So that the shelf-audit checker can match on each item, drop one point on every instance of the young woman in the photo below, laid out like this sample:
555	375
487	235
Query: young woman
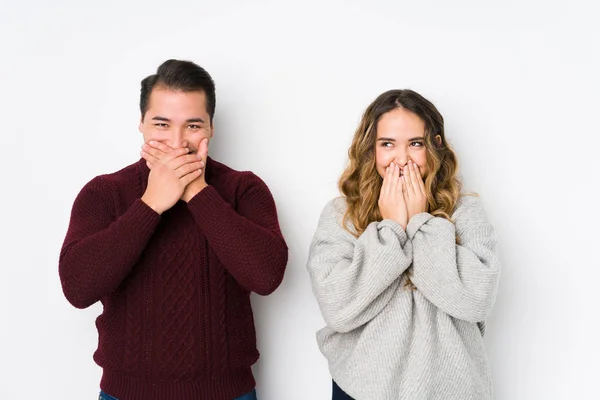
404	266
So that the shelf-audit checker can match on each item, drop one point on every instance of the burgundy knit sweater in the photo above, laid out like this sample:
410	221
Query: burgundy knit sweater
177	322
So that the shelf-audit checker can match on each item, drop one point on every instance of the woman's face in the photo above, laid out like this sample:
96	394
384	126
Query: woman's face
400	139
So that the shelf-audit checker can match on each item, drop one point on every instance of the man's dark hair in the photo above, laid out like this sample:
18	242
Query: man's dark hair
180	75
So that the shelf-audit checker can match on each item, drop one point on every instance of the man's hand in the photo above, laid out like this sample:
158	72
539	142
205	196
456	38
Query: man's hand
199	183
171	171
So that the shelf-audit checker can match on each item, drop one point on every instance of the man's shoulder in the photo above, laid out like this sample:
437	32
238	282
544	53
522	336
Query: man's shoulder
234	184
222	174
125	178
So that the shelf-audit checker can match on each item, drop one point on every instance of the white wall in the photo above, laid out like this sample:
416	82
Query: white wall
516	81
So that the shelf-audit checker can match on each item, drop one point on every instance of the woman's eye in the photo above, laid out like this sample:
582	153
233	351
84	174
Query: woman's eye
386	144
416	144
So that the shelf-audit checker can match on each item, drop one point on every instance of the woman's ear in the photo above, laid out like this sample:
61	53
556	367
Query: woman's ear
438	140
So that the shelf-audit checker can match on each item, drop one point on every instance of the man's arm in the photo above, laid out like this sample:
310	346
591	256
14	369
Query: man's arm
248	240
100	249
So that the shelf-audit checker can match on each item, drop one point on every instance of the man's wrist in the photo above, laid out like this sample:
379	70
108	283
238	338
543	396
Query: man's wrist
152	205
193	191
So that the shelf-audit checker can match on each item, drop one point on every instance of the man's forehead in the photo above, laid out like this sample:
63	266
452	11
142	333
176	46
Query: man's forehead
166	92
179	102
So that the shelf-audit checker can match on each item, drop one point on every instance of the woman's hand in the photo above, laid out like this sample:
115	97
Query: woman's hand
415	194
392	204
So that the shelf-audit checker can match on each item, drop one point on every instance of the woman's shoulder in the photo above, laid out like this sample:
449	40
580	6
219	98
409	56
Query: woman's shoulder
336	206
332	217
469	211
468	201
334	211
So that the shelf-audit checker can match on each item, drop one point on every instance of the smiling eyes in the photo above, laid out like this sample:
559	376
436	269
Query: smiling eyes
412	144
162	125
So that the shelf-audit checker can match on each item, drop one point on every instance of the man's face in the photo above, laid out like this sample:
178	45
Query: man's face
176	119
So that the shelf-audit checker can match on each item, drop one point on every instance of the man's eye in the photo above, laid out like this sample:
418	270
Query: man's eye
161	125
194	126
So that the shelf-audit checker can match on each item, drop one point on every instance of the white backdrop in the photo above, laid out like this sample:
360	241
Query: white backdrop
517	83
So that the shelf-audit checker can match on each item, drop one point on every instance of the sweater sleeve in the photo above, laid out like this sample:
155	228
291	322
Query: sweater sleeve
352	278
99	250
248	241
460	279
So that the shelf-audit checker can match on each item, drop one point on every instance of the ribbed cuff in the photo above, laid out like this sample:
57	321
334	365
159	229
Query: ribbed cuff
396	228
206	206
141	218
416	222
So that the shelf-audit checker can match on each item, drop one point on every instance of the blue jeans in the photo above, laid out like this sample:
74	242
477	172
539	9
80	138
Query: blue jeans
338	393
247	396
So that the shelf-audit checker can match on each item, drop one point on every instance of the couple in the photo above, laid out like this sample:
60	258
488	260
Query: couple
403	265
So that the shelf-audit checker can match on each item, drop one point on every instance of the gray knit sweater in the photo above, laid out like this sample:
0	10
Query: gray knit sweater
384	341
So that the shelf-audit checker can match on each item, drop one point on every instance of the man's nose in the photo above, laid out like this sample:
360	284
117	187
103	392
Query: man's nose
178	141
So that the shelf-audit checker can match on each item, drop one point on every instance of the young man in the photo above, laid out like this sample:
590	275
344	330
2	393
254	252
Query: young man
172	246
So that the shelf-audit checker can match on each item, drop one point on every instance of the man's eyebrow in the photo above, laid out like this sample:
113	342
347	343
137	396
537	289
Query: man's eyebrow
158	118
195	120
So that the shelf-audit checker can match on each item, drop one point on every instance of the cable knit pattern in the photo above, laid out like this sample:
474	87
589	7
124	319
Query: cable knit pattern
133	326
164	281
386	342
221	329
178	313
